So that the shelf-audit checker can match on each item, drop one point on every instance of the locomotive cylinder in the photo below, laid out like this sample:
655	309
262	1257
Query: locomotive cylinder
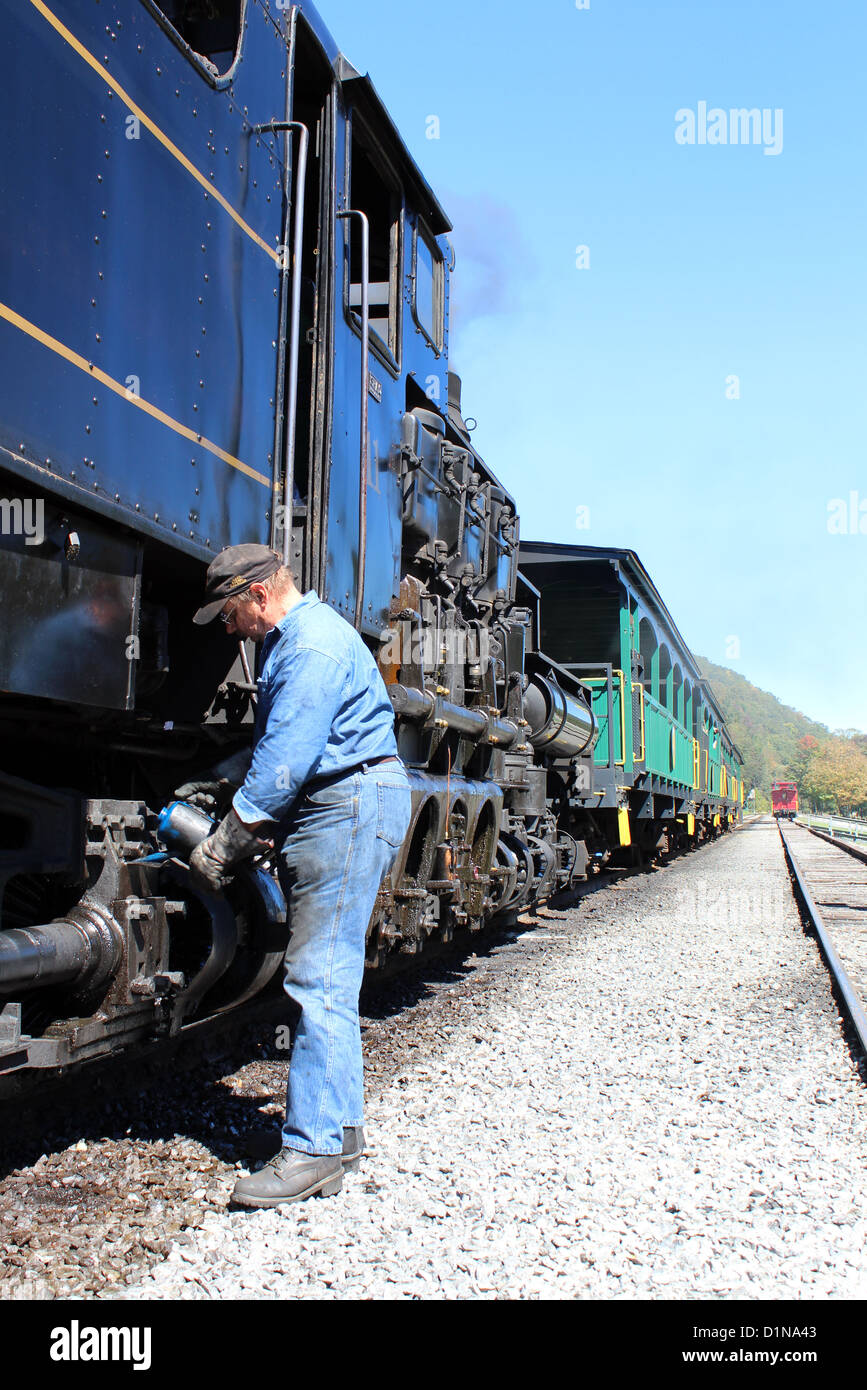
560	725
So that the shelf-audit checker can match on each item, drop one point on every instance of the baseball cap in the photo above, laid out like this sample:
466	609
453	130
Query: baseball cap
232	573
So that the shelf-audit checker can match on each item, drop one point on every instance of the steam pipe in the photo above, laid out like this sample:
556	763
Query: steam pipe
560	725
421	705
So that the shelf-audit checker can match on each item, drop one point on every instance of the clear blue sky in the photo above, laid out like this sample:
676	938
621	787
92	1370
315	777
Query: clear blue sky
606	387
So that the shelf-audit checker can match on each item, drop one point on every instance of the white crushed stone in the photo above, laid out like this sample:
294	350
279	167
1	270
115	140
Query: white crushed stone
651	1098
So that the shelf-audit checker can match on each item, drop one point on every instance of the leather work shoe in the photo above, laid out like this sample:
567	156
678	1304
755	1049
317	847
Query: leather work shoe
267	1143
353	1148
290	1177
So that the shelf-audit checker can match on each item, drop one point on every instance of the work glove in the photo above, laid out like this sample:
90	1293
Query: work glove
215	790
214	861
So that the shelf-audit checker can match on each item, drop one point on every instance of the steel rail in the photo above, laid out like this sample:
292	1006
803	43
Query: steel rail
856	853
851	999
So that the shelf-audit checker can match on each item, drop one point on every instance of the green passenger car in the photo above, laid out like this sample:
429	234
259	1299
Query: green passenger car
664	763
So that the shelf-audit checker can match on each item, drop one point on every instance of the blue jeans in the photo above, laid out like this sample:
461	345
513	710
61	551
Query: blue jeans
341	840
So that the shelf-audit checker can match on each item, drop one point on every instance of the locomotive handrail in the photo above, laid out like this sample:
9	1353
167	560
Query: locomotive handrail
365	379
297	209
294	339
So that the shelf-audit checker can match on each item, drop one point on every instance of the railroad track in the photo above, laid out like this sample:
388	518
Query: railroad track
831	878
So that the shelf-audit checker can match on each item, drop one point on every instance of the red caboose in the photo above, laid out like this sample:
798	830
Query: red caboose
784	800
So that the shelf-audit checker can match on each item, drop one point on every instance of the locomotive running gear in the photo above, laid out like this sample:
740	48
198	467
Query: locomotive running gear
214	861
290	1177
232	573
322	710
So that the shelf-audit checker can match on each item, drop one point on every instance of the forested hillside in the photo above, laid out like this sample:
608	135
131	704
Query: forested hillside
780	743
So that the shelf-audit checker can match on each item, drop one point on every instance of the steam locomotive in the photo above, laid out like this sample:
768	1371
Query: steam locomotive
224	317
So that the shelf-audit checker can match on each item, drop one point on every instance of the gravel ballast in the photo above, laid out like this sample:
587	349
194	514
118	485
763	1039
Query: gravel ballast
647	1096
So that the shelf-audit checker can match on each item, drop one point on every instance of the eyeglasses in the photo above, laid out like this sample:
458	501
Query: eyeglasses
247	597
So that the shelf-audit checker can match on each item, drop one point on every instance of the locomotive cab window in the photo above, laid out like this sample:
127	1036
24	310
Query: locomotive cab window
374	192
428	278
211	28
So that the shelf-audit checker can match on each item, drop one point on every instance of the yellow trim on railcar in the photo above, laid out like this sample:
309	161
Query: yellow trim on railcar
154	129
97	374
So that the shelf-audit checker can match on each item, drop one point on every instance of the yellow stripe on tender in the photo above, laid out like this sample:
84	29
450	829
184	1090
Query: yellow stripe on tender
97	374
151	126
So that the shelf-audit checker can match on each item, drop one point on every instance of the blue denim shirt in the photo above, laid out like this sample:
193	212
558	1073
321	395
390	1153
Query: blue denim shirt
322	707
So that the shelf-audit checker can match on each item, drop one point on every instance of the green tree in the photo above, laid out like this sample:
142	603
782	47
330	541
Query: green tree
776	742
836	777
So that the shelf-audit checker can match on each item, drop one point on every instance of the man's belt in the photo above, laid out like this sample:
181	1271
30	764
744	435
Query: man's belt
317	783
